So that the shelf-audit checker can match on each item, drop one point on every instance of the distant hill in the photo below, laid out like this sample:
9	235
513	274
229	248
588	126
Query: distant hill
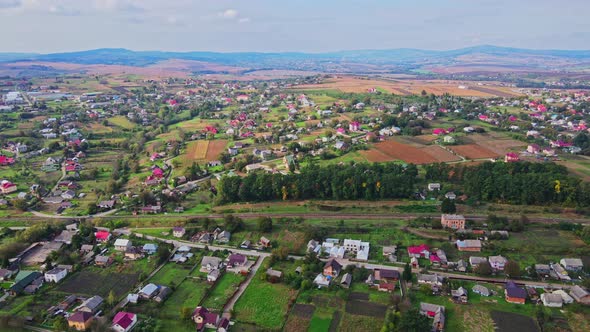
342	61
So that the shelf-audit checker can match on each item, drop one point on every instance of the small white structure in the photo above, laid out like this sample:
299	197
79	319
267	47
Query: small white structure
552	300
55	275
122	244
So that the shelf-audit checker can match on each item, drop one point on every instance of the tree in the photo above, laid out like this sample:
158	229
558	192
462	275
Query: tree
20	204
436	224
483	269
407	274
185	313
413	321
162	254
265	224
512	269
448	206
60	324
111	298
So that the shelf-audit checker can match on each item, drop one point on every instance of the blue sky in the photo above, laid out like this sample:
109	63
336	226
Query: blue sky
290	25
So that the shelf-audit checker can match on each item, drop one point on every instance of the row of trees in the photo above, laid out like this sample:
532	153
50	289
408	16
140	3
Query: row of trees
338	182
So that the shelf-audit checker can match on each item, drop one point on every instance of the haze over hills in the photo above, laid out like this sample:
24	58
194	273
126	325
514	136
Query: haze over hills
482	58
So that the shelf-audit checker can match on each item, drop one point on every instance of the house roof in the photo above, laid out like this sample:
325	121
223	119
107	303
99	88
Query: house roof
80	317
237	259
123	319
211	261
418	249
92	303
481	290
514	291
122	242
149	289
150	247
333	264
102	235
578	292
386	274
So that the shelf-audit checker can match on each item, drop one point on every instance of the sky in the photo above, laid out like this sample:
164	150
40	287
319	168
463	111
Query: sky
48	26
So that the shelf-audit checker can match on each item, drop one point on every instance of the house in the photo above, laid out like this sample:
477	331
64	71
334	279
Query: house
559	272
421	251
552	300
245	244
497	262
357	247
149	291
86	248
106	204
481	290
90	305
22	280
340	145
533	148
332	268
454	221
542	269
7	187
163	294
223	237
213	275
122	245
132	298
572	264
150	248
124	321
274	275
474	261
178	231
210	263
80	320
264	242
459	295
102	236
6	274
384	280
511	157
451	195
580	295
436	312
515	294
55	275
103	261
205	319
433	186
469	245
236	260
439	257
322	280
430	279
133	253
346	280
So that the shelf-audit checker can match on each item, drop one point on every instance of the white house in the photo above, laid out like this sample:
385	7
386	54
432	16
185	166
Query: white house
122	244
359	248
497	262
55	275
572	264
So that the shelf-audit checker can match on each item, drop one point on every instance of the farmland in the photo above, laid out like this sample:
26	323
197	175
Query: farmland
393	150
473	151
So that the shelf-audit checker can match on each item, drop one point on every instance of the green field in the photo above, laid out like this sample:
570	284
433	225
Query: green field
122	121
223	291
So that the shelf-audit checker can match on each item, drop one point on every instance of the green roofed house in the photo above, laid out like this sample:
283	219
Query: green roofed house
22	280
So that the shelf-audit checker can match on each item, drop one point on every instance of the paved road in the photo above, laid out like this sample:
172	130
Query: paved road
229	306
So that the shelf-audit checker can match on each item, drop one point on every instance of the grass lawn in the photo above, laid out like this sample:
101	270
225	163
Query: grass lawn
188	294
264	304
122	122
171	274
223	291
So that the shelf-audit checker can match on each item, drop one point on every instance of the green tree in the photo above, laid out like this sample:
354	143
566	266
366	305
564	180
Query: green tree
483	269
60	324
265	224
413	321
448	206
111	299
20	204
162	254
512	269
407	274
185	313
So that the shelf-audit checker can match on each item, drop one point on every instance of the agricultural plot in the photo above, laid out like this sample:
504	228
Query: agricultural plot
196	150
223	291
215	148
93	281
121	121
264	304
511	322
171	274
300	317
473	151
392	150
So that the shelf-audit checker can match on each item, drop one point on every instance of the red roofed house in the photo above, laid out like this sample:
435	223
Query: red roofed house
354	126
512	118
242	98
158	173
205	319
124	321
533	148
102	236
542	108
7	187
4	160
483	117
419	251
211	129
511	157
171	102
439	131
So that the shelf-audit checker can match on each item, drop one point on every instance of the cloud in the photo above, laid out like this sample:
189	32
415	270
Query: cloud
244	20
5	4
118	5
229	14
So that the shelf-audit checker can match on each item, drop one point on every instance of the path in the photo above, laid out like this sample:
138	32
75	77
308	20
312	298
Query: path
424	235
229	306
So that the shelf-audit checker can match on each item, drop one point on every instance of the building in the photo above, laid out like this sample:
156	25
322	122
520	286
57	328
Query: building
122	244
572	264
357	247
55	275
430	279
148	291
497	262
90	305
163	294
421	251
80	320
580	295
433	186
178	231
514	294
552	300
511	157
454	221
332	268
436	312
209	263
205	319
384	279
459	295
124	321
150	248
7	187
469	245
481	290
102	236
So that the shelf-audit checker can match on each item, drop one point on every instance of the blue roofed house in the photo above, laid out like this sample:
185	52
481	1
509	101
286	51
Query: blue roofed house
150	248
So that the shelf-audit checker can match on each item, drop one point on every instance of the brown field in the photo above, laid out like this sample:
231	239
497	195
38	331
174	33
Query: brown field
392	150
413	86
473	151
215	148
500	146
197	150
